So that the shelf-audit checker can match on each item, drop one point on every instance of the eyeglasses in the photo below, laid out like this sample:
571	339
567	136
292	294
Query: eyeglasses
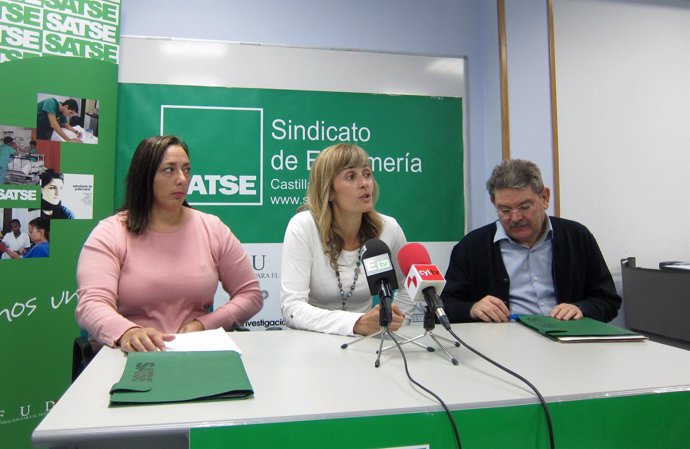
506	212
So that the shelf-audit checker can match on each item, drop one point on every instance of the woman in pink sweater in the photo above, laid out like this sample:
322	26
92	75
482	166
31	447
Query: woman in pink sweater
153	268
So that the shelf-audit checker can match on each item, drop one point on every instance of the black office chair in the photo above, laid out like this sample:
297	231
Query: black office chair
82	354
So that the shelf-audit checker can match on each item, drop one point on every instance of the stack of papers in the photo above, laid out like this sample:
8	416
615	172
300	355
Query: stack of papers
675	265
574	331
211	340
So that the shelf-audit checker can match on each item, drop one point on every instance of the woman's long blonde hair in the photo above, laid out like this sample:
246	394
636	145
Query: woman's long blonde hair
327	165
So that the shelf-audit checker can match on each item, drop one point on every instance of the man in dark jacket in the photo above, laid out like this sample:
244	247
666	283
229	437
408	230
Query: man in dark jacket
527	262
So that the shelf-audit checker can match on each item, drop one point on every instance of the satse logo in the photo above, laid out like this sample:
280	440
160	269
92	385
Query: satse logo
227	163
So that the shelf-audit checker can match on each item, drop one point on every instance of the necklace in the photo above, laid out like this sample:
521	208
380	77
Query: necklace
343	295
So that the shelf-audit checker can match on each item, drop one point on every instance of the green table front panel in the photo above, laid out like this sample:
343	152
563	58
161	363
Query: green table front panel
629	422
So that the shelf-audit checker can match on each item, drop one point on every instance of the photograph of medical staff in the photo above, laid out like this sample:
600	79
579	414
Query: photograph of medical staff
16	240
22	158
65	119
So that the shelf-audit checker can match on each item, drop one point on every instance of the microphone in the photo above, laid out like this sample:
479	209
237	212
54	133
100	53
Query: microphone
423	280
376	259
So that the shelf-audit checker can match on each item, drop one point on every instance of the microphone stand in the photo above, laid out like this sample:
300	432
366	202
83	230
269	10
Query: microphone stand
429	325
385	318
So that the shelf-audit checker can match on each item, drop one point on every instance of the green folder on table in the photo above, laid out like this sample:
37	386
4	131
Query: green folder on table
181	376
577	331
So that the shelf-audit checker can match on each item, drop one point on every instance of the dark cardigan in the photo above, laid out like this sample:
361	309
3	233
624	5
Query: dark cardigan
580	274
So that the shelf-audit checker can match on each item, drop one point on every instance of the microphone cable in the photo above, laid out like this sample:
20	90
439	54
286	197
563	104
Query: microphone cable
513	373
437	397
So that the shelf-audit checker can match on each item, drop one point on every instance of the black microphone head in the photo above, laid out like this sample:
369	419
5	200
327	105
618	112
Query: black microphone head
378	265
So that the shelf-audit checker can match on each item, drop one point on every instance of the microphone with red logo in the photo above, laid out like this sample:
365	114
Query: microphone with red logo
423	280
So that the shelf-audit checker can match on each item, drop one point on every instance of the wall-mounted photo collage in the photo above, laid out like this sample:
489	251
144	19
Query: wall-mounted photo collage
33	189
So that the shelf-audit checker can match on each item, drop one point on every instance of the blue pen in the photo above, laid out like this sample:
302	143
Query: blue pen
514	317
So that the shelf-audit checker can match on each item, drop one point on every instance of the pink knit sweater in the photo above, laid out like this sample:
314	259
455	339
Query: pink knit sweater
163	280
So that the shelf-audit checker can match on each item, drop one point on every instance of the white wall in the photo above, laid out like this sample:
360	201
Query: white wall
623	81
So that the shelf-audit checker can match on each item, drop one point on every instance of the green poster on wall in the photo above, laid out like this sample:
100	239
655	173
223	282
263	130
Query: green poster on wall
252	149
59	59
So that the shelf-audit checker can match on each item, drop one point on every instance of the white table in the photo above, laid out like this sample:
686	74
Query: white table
300	376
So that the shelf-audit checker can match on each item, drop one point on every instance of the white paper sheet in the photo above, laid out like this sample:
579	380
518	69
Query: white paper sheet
208	340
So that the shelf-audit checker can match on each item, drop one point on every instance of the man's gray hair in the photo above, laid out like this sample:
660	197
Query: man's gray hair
515	174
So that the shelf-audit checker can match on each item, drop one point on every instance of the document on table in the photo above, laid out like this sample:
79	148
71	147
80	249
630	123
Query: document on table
208	340
578	331
197	366
181	376
85	137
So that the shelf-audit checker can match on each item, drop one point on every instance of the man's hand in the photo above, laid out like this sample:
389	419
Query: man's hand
565	312
490	308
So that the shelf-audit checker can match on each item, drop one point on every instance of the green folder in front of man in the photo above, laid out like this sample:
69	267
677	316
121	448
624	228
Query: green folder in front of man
180	376
576	331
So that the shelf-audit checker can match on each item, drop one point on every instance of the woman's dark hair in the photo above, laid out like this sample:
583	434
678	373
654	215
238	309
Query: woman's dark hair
49	175
7	139
139	189
42	224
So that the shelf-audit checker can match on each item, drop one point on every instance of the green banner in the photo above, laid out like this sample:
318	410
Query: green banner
82	28
51	52
251	151
630	422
